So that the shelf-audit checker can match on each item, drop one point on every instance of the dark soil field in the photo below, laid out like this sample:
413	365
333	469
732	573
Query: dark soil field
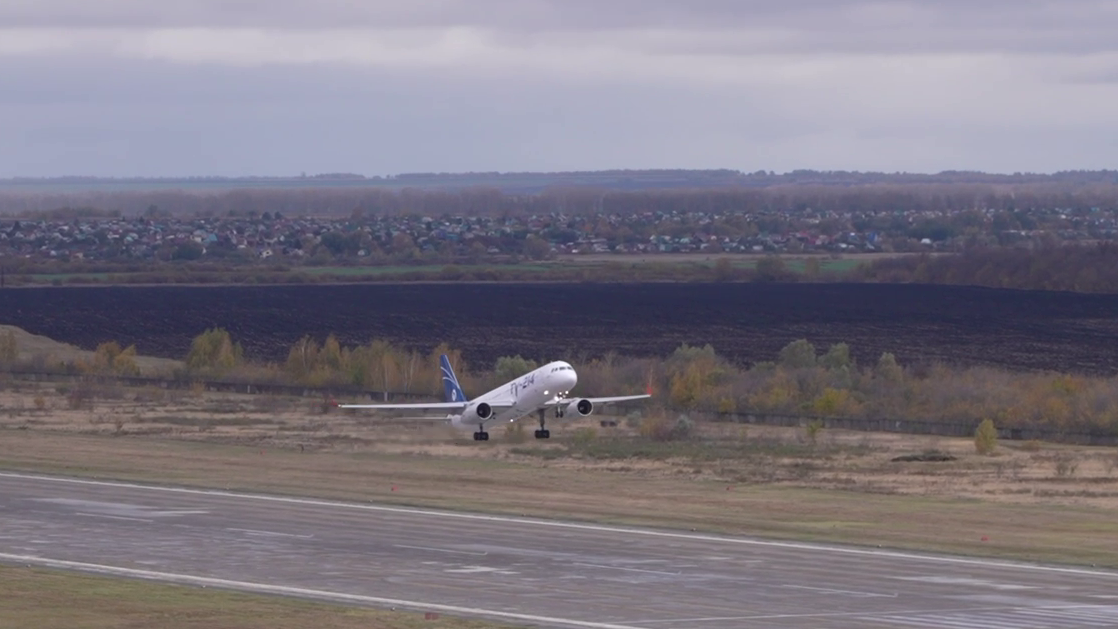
745	322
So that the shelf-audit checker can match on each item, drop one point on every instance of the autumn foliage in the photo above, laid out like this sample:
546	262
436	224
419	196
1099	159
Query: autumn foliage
802	381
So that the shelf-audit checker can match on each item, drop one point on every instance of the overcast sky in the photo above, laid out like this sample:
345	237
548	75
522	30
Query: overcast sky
276	87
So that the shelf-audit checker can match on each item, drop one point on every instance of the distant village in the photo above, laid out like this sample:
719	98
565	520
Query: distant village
373	239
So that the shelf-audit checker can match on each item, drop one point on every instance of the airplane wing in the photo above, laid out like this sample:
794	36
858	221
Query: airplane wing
430	406
601	400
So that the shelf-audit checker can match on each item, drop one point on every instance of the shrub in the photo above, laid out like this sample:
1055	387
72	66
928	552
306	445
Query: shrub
9	349
214	350
1066	464
811	430
985	437
659	428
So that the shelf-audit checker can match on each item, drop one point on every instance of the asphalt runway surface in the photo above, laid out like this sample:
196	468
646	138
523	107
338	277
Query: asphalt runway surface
524	571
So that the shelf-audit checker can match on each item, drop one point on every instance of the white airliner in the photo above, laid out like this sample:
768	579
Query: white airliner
535	392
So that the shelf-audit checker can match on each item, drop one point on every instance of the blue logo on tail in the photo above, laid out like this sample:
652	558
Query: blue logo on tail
451	389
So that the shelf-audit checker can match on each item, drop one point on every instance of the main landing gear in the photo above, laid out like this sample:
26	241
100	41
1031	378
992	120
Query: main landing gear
543	433
481	435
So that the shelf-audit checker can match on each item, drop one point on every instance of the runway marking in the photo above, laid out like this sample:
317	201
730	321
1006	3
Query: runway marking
833	591
340	597
968	618
112	517
594	565
442	550
315	502
268	533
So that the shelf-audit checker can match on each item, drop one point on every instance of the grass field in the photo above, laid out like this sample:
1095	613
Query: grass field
48	599
359	271
608	265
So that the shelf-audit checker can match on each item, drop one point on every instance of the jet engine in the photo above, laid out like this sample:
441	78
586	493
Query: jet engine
581	407
481	411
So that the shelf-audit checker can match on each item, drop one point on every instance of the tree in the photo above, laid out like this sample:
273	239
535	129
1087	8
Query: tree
510	367
109	358
771	268
537	248
837	357
798	355
985	437
214	350
887	369
188	250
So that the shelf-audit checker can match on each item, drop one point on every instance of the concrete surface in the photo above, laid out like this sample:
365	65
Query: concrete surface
522	571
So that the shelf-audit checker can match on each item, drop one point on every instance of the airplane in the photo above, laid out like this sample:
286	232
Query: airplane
546	388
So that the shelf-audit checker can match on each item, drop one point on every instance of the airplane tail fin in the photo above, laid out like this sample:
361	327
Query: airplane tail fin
452	391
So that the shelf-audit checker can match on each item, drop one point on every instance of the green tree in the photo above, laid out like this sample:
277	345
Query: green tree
837	357
798	355
509	367
985	437
214	350
887	369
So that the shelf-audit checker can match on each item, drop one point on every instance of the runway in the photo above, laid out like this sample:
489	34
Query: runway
524	571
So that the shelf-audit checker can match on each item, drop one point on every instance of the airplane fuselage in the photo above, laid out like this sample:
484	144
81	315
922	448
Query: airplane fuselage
522	396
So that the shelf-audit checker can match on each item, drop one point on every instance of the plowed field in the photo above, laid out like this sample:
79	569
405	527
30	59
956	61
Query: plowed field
746	322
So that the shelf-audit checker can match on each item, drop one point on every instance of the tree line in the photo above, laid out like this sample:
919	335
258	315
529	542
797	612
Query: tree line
800	380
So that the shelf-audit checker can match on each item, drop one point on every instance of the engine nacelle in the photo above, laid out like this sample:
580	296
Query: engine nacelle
581	408
481	411
471	416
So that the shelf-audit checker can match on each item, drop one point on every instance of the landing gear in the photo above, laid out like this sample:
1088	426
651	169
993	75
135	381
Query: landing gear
543	433
481	435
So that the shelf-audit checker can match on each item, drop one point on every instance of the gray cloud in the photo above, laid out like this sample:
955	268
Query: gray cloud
251	87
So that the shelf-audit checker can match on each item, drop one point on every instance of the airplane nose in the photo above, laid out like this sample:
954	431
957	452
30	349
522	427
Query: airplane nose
572	379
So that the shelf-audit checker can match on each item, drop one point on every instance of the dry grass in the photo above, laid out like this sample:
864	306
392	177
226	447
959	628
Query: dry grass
33	347
1033	501
45	598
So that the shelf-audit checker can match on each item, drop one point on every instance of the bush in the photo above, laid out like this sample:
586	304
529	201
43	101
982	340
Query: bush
9	349
812	430
214	350
659	428
985	437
